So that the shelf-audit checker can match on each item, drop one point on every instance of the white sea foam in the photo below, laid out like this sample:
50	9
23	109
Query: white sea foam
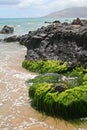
18	25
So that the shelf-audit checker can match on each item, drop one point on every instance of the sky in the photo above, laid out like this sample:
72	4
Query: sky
35	8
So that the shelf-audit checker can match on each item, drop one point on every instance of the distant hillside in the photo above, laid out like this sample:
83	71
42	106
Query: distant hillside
80	12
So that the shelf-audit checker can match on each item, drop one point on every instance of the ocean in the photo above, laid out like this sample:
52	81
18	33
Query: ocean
24	25
16	112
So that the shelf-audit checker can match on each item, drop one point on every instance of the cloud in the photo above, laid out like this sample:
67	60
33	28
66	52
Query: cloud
73	3
37	8
61	4
51	5
45	4
9	2
33	3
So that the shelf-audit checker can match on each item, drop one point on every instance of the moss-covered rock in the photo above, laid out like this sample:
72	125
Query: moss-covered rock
46	78
32	90
58	94
40	95
71	103
47	66
69	80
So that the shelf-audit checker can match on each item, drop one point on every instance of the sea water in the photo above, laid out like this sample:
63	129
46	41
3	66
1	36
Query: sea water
24	25
16	112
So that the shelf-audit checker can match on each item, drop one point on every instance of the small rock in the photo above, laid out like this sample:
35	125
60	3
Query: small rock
11	39
77	22
7	30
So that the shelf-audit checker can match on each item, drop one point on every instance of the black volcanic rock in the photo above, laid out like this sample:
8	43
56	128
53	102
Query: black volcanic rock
77	22
58	41
12	39
7	30
59	88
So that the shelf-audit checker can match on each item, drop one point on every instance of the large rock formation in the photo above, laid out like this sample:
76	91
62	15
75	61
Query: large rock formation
7	30
58	41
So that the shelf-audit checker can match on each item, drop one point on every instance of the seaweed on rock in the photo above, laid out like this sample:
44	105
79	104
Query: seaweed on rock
63	95
69	104
49	66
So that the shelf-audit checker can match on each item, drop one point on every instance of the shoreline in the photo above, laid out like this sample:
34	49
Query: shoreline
42	127
16	110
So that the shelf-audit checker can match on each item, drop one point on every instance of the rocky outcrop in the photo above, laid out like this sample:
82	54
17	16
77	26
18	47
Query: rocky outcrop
12	39
7	30
58	41
77	22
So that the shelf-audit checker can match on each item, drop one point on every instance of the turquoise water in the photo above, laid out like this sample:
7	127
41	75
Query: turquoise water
24	25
